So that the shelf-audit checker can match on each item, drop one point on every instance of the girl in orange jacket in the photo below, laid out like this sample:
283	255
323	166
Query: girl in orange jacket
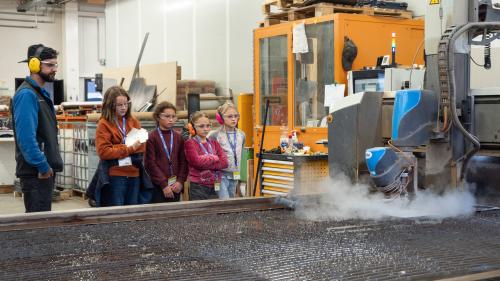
115	123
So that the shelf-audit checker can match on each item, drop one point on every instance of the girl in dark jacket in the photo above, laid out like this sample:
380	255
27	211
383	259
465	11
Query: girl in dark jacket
164	158
206	160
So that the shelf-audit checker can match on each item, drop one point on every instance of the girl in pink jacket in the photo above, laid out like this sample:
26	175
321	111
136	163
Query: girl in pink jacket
206	160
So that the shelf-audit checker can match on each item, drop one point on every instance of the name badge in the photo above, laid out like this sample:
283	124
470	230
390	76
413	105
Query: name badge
236	176
172	180
127	161
217	185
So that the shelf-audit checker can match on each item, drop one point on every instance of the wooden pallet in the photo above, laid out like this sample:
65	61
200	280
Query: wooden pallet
4	189
79	193
322	9
64	194
282	5
405	14
279	4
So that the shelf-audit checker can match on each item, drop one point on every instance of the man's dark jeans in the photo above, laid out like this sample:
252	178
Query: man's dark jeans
37	194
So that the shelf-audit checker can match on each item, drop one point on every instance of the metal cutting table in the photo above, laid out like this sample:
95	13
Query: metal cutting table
242	239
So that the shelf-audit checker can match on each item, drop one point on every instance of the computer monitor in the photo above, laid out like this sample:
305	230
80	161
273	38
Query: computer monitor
366	81
91	93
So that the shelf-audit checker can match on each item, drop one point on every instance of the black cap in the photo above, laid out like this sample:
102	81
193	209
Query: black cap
349	53
45	53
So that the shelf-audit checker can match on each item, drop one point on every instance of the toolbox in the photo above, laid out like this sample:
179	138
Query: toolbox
282	173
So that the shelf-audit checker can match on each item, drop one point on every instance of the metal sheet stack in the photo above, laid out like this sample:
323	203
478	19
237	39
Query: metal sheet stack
92	158
80	156
65	138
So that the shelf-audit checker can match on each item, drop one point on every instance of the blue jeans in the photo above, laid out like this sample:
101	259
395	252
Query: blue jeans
145	196
122	191
227	187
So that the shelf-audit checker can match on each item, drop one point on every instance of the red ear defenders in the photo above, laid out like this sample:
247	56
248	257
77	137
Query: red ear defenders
34	62
191	128
219	117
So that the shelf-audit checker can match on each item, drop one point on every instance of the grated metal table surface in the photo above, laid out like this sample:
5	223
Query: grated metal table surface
265	245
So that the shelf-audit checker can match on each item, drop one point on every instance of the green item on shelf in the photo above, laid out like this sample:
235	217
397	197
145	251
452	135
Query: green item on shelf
246	154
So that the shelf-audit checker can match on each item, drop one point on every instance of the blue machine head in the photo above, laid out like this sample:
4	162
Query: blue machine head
383	164
415	112
373	157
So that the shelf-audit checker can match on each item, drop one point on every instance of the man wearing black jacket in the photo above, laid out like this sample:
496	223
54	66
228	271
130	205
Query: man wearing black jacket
35	131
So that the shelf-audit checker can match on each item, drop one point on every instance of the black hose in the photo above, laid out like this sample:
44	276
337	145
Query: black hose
453	106
259	163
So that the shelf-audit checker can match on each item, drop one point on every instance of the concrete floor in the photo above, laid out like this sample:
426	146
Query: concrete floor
14	205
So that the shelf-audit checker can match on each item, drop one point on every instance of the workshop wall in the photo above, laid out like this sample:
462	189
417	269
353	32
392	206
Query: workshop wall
17	33
210	39
20	30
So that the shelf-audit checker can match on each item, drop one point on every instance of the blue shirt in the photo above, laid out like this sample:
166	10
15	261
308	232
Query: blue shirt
26	106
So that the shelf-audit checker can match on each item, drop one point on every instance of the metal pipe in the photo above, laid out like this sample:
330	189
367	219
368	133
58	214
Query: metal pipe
99	55
25	20
23	14
148	116
445	119
18	26
73	104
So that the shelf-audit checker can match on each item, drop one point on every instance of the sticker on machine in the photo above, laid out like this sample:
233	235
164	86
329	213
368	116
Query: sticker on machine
434	2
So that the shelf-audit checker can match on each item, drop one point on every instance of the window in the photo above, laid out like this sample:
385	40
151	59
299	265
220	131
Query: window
313	70
274	79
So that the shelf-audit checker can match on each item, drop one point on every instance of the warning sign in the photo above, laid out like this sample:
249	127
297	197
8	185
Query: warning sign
434	2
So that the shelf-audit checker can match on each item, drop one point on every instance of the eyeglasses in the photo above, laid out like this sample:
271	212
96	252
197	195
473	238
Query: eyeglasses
123	105
230	116
50	64
203	126
165	116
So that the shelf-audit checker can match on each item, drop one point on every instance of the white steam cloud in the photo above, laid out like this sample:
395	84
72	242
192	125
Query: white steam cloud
340	200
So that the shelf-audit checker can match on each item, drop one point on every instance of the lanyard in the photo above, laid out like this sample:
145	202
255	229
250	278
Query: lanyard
203	147
123	129
233	147
168	152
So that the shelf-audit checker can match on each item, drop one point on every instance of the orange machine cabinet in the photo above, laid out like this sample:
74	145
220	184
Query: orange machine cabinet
245	108
295	83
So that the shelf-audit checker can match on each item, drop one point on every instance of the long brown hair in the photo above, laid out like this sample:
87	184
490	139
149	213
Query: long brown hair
109	106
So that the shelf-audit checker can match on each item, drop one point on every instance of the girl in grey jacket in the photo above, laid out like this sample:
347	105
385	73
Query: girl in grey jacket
232	141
